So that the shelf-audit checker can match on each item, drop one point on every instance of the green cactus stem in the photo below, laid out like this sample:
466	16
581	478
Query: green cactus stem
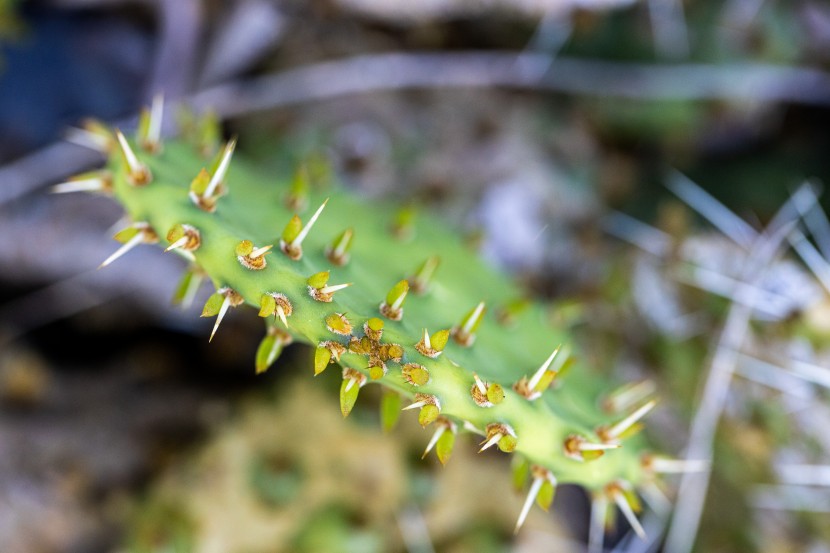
486	368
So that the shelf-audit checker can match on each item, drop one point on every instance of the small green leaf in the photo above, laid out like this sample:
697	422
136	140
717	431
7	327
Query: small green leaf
495	393
397	292
213	305
343	242
376	372
125	235
415	374
348	398
439	340
544	499
318	280
268	351
375	324
521	471
267	305
183	287
292	229
390	410
444	446
244	247
545	381
633	500
429	414
339	324
200	182
507	443
322	358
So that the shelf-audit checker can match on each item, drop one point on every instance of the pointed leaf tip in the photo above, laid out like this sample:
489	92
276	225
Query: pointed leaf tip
348	395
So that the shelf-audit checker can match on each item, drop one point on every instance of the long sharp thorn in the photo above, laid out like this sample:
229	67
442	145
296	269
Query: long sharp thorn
84	185
471	321
156	114
87	139
480	385
259	252
226	303
537	376
492	441
416	405
678	466
219	174
126	247
281	314
428	344
631	419
434	440
596	531
272	353
629	515
470	427
307	227
177	244
587	446
192	288
531	497
334	288
132	161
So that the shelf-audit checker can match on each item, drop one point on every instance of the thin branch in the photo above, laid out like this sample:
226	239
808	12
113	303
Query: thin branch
398	71
694	485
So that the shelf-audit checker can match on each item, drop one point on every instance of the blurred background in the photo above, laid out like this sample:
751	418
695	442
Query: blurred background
654	169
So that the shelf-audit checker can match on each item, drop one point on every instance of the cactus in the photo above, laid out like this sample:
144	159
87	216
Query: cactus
392	296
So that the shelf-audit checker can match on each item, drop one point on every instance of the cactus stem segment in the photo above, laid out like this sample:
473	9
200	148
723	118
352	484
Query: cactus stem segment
338	251
464	333
137	173
99	181
138	233
292	246
610	434
540	476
